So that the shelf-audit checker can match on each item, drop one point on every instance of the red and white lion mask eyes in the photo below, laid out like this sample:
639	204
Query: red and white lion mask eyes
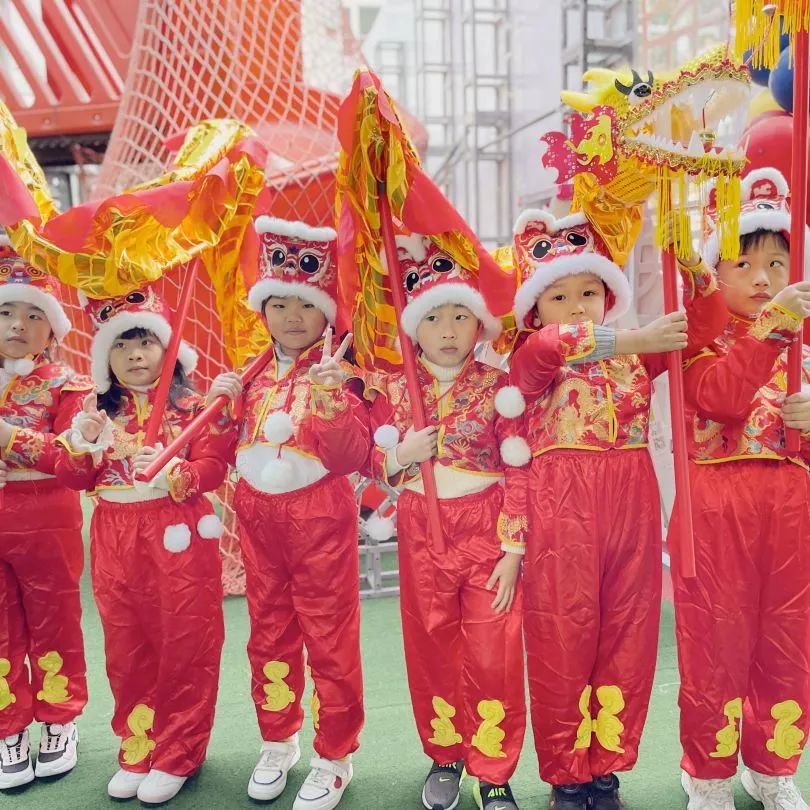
303	261
423	264
543	240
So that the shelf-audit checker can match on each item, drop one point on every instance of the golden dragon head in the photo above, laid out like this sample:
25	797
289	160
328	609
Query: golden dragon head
689	120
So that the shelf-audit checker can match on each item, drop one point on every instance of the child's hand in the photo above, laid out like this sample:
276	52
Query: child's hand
796	298
664	334
225	385
143	458
670	224
3	473
417	445
505	575
6	431
328	371
91	421
796	412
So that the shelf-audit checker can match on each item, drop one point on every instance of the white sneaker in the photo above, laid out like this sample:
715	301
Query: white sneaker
159	787
270	774
323	788
58	749
125	784
15	761
775	792
708	794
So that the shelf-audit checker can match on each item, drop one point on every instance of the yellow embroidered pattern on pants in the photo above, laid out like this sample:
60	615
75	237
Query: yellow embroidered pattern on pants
787	738
54	685
7	697
314	703
138	747
728	738
490	736
608	728
586	726
277	695
444	732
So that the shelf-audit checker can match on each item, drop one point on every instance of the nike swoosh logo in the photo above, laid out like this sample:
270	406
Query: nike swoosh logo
448	779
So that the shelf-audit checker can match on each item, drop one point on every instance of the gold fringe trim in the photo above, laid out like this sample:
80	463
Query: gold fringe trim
760	32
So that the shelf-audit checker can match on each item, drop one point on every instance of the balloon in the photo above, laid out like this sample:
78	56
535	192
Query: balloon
768	142
781	81
763	102
759	76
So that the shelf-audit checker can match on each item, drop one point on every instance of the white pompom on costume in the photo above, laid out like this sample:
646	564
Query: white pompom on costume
278	427
23	367
177	538
386	437
277	474
515	451
509	402
210	527
380	528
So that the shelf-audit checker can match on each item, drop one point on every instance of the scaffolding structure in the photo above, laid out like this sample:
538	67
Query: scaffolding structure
462	53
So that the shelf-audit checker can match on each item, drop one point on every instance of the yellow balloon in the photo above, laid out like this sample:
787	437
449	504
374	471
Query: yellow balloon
761	103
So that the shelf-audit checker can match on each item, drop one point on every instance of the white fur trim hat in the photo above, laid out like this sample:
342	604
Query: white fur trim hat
548	249
111	317
432	279
296	260
765	207
21	282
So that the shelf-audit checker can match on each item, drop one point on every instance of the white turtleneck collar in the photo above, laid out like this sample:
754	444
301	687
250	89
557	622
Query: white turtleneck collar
443	373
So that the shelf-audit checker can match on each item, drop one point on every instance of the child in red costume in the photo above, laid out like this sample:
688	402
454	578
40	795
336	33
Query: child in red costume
302	431
743	624
461	608
41	550
154	556
592	572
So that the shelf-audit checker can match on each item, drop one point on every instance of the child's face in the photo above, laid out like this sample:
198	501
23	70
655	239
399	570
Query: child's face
755	278
295	324
447	335
24	330
572	299
137	361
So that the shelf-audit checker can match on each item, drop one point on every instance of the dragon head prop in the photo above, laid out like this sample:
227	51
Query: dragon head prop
634	133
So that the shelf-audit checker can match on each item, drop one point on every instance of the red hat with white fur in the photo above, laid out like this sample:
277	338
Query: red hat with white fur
111	317
20	281
548	249
296	260
765	206
432	278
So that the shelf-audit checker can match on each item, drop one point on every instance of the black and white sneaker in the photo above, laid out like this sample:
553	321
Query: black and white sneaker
15	761
58	749
605	793
569	797
494	797
442	786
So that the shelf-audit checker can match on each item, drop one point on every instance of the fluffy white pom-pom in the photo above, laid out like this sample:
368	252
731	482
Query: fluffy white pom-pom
386	437
380	528
210	527
515	451
24	366
177	538
277	475
278	427
509	402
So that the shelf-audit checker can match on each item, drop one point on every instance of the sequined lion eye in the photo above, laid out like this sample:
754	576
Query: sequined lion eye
136	298
763	206
411	280
442	265
278	256
639	90
541	248
576	239
105	312
309	263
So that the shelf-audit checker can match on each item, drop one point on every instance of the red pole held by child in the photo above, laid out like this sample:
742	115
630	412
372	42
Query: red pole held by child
409	364
170	359
798	206
683	501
